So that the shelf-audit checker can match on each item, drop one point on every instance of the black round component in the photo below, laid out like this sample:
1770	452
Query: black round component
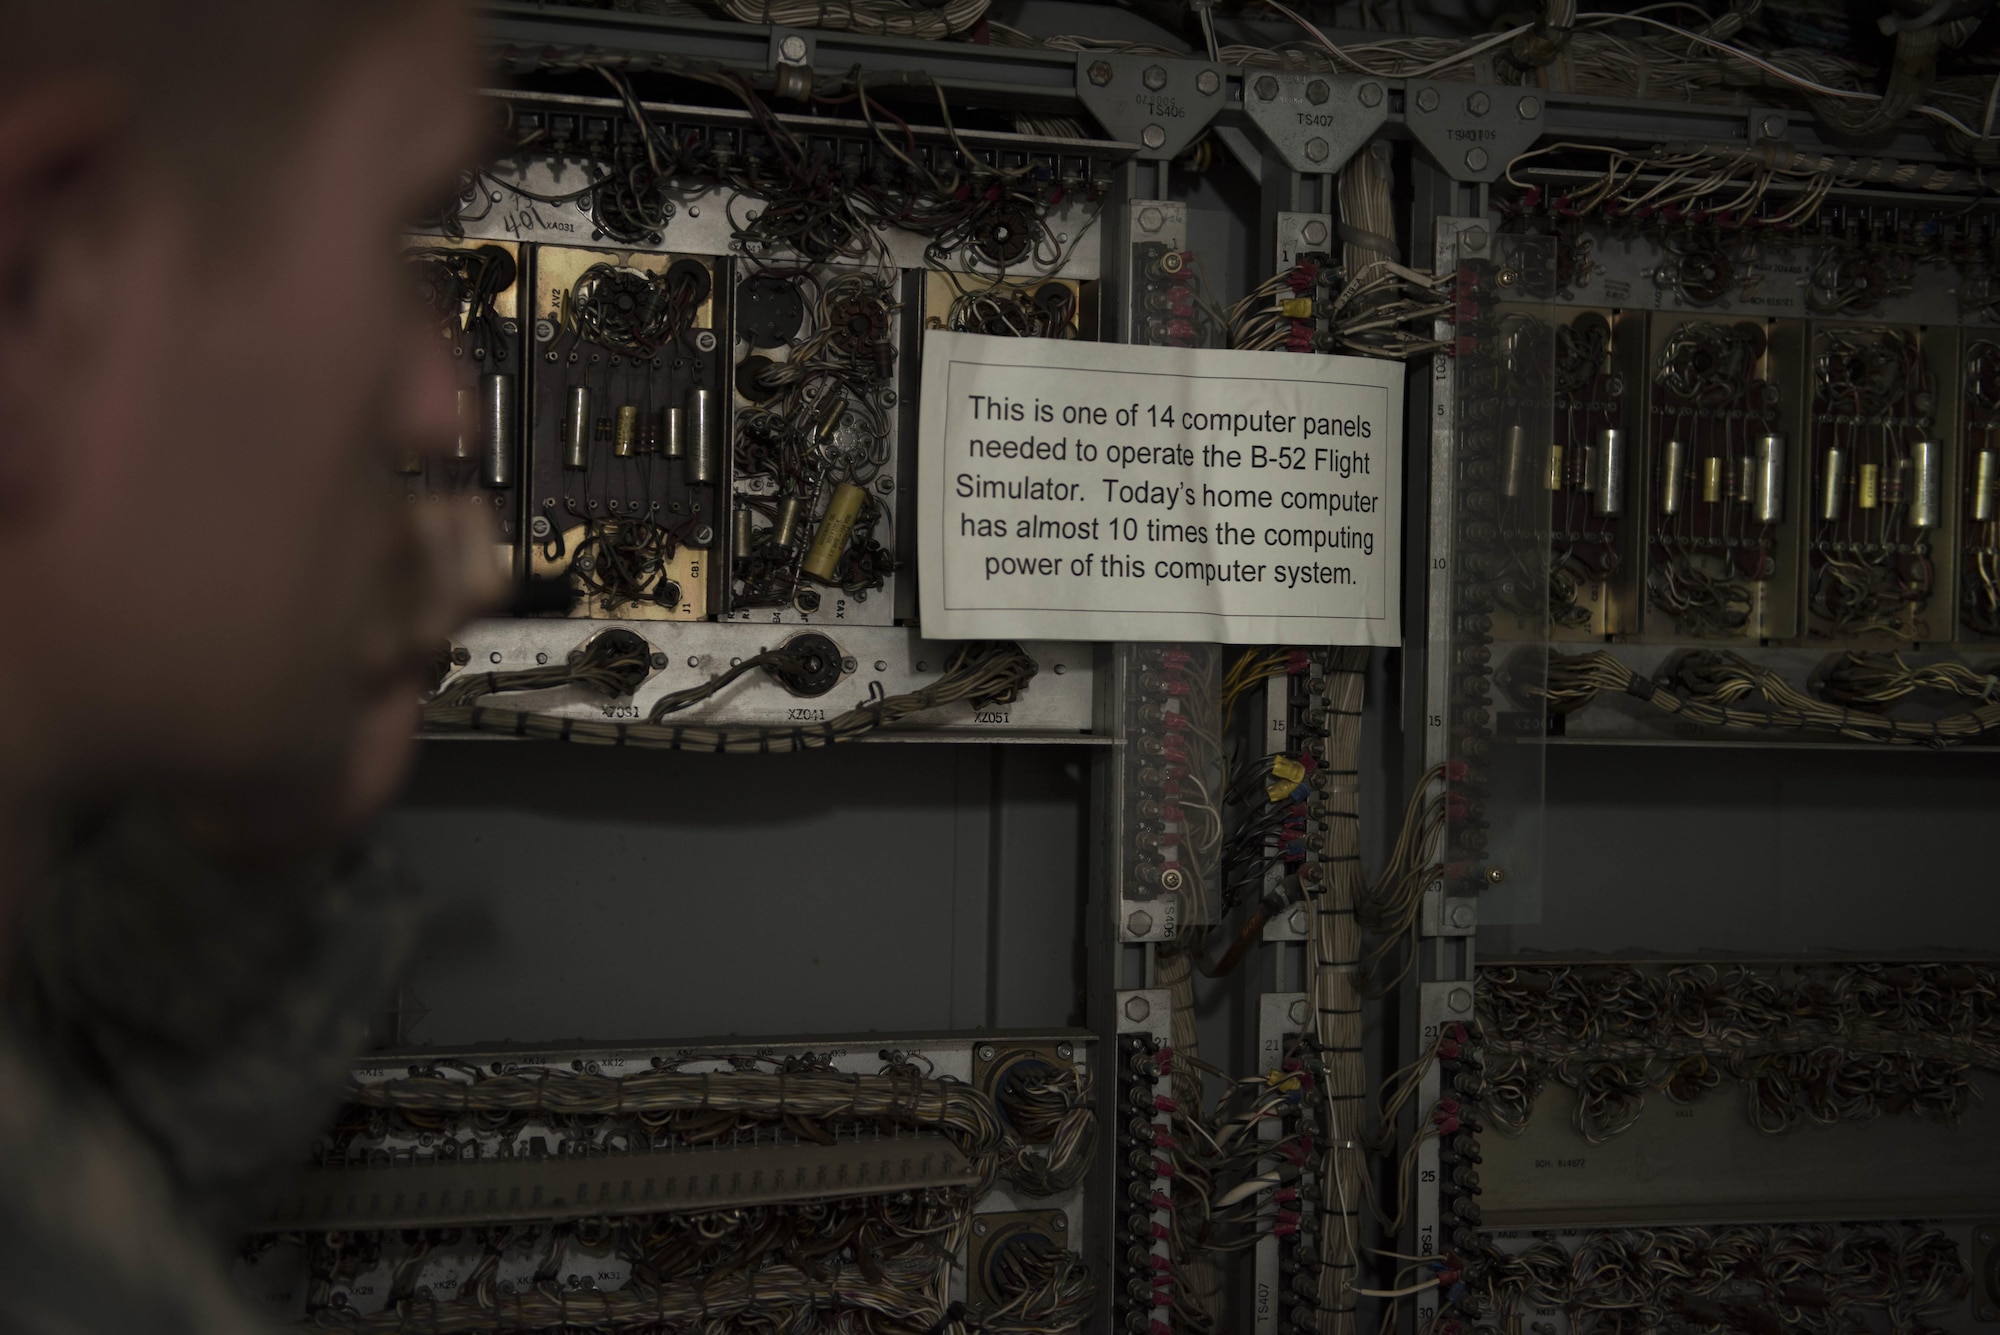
769	310
694	274
1024	1069
501	270
667	593
750	379
813	666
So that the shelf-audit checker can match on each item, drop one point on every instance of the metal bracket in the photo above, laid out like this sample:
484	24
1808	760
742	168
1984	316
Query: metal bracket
1316	121
1472	131
791	59
1301	234
1160	104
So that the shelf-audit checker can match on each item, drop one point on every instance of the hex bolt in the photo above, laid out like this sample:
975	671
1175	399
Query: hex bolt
1140	923
1528	108
1151	220
1317	92
1296	921
1298	1011
1772	127
1152	136
1155	77
461	655
1313	233
986	1052
1478	104
1317	149
1137	1009
1475	239
1100	72
1427	99
1459	999
1207	83
792	50
1370	94
1462	915
1267	88
1495	875
1064	1052
1475	159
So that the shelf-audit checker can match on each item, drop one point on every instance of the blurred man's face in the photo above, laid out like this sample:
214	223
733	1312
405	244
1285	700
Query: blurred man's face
220	581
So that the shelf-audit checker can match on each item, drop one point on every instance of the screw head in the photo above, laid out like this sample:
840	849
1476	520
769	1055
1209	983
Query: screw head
1462	915
1064	1051
493	657
704	340
1474	238
1152	136
1318	91
1475	159
1296	921
1267	88
848	664
701	537
1478	104
1298	1011
1772	127
986	1052
1427	99
541	660
1313	233
1155	77
1460	1000
540	527
792	49
461	655
1528	108
1151	220
544	330
1100	72
1137	1009
979	1227
1140	923
1495	875
1317	149
1370	94
1207	83
658	661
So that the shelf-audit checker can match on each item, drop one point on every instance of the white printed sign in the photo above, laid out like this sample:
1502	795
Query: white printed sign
1091	491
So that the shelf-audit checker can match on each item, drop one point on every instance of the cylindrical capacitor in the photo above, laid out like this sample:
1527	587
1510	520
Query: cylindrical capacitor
1555	479
1871	487
1513	461
576	429
625	434
830	543
829	418
673	441
790	510
1770	494
1832	482
1609	500
739	533
1743	486
700	436
1583	468
1673	477
468	426
497	403
1985	485
1711	479
1926	494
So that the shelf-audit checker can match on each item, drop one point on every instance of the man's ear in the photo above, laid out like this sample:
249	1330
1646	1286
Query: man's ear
58	144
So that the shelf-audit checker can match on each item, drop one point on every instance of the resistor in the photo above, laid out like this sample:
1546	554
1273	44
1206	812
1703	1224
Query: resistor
625	435
836	527
673	441
1871	487
1514	461
1743	486
1610	461
1580	468
1926	492
1673	477
498	405
1555	479
1985	485
700	437
576	429
1711	479
1833	482
1770	488
790	509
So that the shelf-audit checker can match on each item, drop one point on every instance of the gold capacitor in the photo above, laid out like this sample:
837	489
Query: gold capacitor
739	532
625	435
830	543
1985	485
790	510
1871	486
829	418
1711	479
1555	479
1673	481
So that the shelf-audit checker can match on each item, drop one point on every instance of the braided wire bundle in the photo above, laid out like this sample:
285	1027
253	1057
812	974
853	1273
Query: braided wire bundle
1051	1131
1797	1277
891	18
1827	1044
1715	689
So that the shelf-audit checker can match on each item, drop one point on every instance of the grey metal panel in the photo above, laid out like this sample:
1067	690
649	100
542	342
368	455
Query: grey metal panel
1703	1163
